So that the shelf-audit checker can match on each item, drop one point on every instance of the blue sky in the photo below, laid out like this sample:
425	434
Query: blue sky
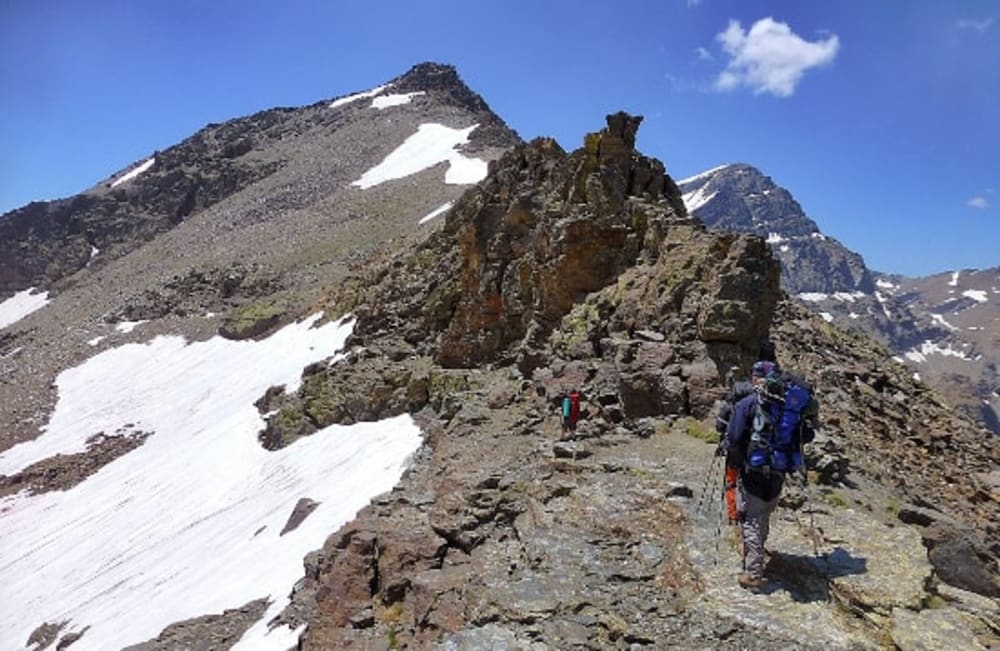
880	117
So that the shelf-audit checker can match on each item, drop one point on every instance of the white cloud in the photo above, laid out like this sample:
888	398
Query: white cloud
980	25
770	58
693	3
704	55
977	202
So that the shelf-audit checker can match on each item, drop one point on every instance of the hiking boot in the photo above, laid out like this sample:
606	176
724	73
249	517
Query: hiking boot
749	581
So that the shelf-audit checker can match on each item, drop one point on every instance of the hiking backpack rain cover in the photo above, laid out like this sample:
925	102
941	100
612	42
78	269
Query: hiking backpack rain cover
776	437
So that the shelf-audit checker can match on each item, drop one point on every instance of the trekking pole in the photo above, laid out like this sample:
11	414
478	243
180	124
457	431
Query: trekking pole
708	481
813	536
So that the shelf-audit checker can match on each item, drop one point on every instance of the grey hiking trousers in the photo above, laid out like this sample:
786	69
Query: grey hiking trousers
755	526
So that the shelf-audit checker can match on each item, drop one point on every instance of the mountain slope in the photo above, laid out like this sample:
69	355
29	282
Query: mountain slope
836	283
207	425
250	256
963	360
150	304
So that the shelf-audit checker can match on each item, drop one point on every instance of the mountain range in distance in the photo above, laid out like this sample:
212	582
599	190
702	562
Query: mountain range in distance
946	327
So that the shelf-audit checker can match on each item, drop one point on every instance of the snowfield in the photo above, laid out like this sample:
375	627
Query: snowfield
430	145
21	305
188	523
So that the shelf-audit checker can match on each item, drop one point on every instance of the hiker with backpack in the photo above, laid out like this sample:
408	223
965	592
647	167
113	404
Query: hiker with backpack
739	390
570	411
763	443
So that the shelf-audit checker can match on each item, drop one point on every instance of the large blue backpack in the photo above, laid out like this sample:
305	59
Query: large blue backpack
776	434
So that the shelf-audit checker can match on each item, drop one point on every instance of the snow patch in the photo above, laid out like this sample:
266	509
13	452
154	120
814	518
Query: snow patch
827	317
190	520
848	297
818	236
702	175
954	279
854	315
885	284
430	145
977	295
775	238
356	96
96	340
126	327
881	300
920	353
21	305
916	376
783	248
11	353
813	297
128	176
437	211
397	99
940	320
695	200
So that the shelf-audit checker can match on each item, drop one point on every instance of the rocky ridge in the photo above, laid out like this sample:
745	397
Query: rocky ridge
503	534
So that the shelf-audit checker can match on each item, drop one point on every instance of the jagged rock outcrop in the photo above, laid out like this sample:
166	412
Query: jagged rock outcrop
519	253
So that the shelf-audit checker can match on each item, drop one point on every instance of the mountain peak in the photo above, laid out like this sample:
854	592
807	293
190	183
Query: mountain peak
740	197
442	78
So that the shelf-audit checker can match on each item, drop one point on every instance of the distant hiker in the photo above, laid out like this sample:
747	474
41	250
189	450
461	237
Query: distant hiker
570	411
763	443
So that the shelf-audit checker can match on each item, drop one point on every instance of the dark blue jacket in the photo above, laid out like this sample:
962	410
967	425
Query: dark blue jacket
766	487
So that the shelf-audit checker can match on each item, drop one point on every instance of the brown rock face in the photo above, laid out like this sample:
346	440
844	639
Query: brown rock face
546	229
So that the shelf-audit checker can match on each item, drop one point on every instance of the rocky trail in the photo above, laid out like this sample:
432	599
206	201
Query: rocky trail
523	540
